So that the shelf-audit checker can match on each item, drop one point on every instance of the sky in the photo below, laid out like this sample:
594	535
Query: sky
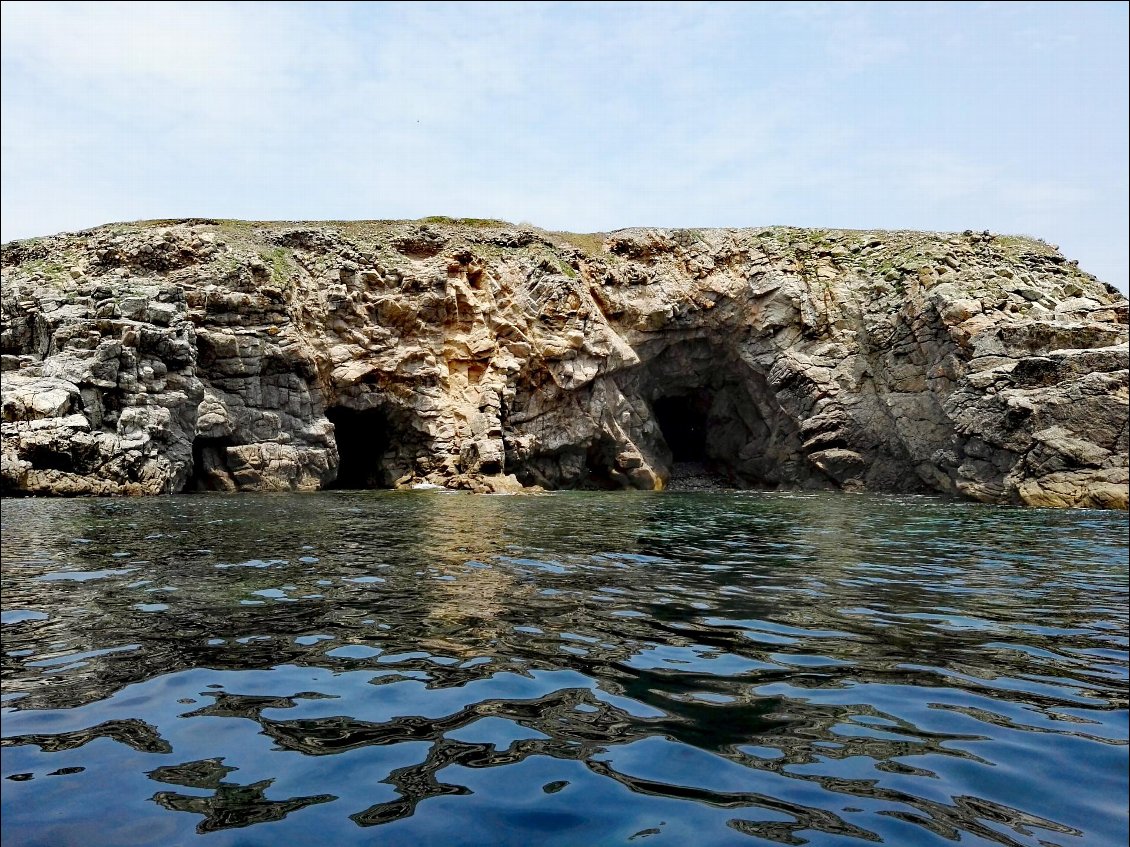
1010	117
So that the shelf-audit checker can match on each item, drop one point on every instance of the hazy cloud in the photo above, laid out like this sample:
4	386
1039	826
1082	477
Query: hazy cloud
573	116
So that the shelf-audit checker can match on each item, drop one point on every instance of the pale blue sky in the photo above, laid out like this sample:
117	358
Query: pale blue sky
1010	117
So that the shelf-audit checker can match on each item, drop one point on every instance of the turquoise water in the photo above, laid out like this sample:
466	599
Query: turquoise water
570	669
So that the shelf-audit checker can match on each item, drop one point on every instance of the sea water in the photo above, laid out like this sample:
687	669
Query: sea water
569	669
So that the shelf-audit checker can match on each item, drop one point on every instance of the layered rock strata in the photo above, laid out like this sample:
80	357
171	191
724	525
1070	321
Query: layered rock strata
197	354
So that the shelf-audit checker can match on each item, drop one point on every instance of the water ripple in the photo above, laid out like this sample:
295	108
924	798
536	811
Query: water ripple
570	669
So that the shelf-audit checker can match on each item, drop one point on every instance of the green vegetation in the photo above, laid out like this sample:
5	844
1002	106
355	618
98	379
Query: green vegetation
167	222
811	237
687	237
237	226
231	266
473	222
1013	245
52	270
278	259
591	243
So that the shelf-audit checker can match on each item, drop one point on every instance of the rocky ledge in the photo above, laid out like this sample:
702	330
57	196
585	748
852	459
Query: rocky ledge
182	355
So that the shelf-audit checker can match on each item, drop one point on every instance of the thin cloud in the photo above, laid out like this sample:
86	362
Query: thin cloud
573	116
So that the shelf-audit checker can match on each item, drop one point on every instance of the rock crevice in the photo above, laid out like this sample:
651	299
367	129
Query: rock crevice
218	355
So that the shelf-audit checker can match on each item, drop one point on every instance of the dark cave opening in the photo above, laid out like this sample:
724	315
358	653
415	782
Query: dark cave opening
600	468
46	457
362	439
682	419
209	464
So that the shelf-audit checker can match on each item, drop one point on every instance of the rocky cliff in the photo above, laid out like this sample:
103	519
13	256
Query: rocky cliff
198	354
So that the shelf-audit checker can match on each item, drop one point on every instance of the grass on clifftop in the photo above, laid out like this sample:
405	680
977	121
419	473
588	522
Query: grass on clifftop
472	222
891	244
591	243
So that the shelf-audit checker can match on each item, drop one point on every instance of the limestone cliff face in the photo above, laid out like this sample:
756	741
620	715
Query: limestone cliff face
160	357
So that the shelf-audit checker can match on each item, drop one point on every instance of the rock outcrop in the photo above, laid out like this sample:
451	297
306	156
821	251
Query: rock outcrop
180	355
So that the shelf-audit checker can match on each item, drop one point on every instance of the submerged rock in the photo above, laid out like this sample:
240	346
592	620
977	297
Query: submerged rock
199	354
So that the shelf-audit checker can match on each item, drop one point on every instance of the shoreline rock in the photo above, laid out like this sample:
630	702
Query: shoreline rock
159	357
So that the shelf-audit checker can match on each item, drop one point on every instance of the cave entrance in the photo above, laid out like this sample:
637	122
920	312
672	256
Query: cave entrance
683	421
210	465
363	438
691	432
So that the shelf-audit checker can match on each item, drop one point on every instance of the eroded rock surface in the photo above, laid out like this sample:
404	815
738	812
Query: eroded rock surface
198	354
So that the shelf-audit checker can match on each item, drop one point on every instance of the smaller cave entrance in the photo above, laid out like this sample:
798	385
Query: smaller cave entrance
363	438
600	472
210	465
46	457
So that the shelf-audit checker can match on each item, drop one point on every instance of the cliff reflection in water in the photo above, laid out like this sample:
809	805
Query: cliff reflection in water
571	668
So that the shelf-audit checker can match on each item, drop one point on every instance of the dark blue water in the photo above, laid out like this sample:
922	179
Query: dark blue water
571	669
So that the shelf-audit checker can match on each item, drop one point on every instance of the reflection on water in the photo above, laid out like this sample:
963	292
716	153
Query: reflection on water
580	668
